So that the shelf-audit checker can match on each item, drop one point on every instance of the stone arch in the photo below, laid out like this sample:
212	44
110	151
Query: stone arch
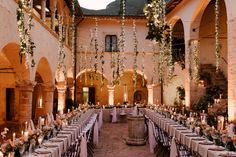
87	79
44	69
12	73
138	72
126	84
88	70
11	53
207	36
42	102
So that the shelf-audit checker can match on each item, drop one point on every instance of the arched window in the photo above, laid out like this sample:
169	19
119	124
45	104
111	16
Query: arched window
111	43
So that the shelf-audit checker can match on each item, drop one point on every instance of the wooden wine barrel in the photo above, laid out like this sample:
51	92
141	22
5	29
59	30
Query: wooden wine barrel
136	131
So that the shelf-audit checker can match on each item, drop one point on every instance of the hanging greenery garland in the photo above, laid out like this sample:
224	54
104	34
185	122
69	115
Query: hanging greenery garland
121	44
217	42
170	56
194	60
102	66
160	32
26	43
92	42
61	67
81	62
143	79
74	34
135	54
112	66
96	47
91	71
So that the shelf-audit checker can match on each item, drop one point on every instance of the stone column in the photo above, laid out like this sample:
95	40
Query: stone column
53	17
67	34
232	69
25	88
150	94
61	88
110	95
48	91
43	10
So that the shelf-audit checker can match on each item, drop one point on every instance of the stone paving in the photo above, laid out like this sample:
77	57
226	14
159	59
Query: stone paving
112	143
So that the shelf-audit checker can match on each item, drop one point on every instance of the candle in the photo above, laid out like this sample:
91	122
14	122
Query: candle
40	103
1	154
22	133
42	121
26	128
13	138
221	96
203	111
68	110
26	135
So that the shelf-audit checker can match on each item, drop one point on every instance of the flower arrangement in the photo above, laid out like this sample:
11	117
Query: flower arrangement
26	43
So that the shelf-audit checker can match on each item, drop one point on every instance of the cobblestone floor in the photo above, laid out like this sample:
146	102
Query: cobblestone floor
112	143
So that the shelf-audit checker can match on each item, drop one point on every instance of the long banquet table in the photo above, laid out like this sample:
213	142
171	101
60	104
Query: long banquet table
54	147
201	145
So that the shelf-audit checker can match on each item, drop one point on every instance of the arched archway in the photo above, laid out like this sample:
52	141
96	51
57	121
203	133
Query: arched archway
90	89
43	90
13	73
126	87
178	43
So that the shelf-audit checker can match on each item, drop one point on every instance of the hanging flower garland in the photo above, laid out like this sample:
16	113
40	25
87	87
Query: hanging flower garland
96	47
91	71
170	56
91	50
121	44
217	29
159	31
61	67
194	60
102	66
26	43
143	79
74	34
135	55
81	62
112	66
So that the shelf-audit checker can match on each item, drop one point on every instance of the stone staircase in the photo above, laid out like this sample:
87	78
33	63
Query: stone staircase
214	78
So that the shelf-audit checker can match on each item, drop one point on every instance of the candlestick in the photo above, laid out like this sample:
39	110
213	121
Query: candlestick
42	121
26	128
13	138
26	135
